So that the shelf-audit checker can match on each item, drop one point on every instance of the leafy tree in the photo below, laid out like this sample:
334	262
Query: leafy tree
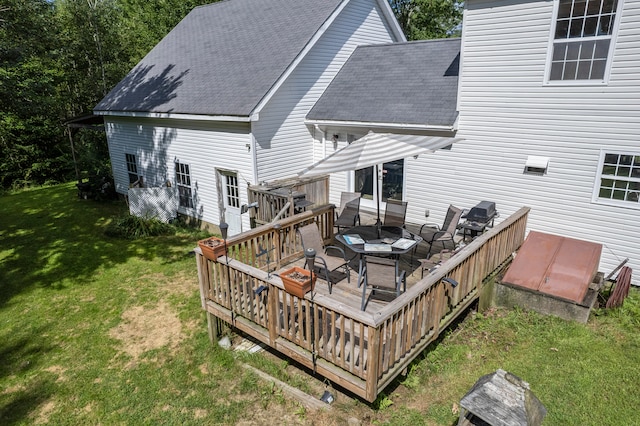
146	22
30	113
428	19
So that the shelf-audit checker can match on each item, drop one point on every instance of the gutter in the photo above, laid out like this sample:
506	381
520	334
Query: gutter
370	125
166	115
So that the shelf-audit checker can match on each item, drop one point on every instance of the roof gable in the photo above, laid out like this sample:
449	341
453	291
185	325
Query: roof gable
221	59
400	83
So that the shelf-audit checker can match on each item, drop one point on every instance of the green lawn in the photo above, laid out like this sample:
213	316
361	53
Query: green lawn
97	330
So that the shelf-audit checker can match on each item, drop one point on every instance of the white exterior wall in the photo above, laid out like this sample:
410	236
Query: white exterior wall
507	113
284	143
203	145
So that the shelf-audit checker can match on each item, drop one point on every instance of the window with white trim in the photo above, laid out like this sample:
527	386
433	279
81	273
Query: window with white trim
583	39
132	168
183	182
618	179
232	190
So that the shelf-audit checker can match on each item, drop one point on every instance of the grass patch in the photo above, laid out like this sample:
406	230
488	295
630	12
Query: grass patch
101	330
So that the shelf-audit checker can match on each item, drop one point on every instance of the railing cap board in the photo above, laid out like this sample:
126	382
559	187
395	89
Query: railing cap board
319	299
284	223
287	182
438	274
377	318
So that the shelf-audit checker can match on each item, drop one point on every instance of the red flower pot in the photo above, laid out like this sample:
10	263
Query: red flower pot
212	248
297	281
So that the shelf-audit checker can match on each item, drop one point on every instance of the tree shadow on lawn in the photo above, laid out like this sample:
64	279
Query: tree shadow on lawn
16	407
51	238
21	357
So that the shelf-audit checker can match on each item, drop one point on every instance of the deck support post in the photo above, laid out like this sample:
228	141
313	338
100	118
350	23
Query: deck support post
272	314
215	326
373	363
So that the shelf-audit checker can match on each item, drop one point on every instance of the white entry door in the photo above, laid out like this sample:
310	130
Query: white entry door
231	201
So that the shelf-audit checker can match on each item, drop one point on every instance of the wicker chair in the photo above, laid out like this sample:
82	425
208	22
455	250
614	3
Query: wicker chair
349	212
311	238
432	233
381	274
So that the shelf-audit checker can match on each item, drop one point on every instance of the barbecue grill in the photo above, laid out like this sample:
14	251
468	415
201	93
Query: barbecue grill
478	219
483	212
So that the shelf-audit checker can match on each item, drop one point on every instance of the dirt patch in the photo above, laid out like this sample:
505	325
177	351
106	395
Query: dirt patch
144	329
13	389
44	412
59	371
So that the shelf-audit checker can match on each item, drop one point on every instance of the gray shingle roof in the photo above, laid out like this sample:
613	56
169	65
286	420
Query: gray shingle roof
221	59
401	83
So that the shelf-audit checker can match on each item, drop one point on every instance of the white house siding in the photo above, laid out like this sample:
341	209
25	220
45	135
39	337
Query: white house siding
284	142
341	181
203	145
508	113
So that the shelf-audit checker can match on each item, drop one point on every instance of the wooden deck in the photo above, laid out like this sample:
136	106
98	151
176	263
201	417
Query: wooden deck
360	351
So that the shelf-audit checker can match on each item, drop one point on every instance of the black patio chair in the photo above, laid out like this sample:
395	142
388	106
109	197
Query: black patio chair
395	213
349	212
311	238
432	233
381	274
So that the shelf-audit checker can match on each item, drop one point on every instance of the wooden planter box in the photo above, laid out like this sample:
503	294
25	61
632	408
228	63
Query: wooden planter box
212	248
297	281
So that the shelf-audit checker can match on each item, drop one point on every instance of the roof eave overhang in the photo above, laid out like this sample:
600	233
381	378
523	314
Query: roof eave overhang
381	125
385	6
175	116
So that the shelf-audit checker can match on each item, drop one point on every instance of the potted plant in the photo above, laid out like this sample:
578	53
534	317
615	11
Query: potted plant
212	247
297	281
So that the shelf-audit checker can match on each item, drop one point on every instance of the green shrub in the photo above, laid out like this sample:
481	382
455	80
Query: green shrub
133	227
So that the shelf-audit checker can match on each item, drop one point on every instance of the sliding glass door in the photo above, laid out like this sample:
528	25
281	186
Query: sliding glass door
389	183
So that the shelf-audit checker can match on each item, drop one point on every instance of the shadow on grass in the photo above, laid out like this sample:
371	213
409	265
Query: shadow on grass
16	407
22	358
51	238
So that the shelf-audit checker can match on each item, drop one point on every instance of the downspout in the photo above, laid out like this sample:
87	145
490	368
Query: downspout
254	157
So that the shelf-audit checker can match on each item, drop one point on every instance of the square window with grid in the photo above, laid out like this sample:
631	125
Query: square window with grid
582	39
183	182
132	168
619	179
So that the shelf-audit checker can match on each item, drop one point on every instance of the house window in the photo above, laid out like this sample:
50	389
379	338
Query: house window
618	180
583	39
132	168
183	182
232	190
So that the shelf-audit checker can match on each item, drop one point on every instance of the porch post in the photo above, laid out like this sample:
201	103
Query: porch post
372	363
272	314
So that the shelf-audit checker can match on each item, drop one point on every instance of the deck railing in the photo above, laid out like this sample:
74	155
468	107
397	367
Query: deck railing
277	197
360	351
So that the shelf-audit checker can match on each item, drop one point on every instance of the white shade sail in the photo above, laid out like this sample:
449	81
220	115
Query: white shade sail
377	148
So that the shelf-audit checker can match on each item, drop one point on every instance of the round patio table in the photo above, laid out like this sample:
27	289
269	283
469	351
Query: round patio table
391	240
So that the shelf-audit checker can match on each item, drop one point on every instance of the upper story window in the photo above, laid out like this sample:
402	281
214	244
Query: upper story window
618	180
583	39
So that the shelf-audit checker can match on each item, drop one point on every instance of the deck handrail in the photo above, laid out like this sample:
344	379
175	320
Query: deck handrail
362	351
454	262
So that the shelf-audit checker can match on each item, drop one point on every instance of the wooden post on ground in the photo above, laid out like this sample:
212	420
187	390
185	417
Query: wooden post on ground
214	326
